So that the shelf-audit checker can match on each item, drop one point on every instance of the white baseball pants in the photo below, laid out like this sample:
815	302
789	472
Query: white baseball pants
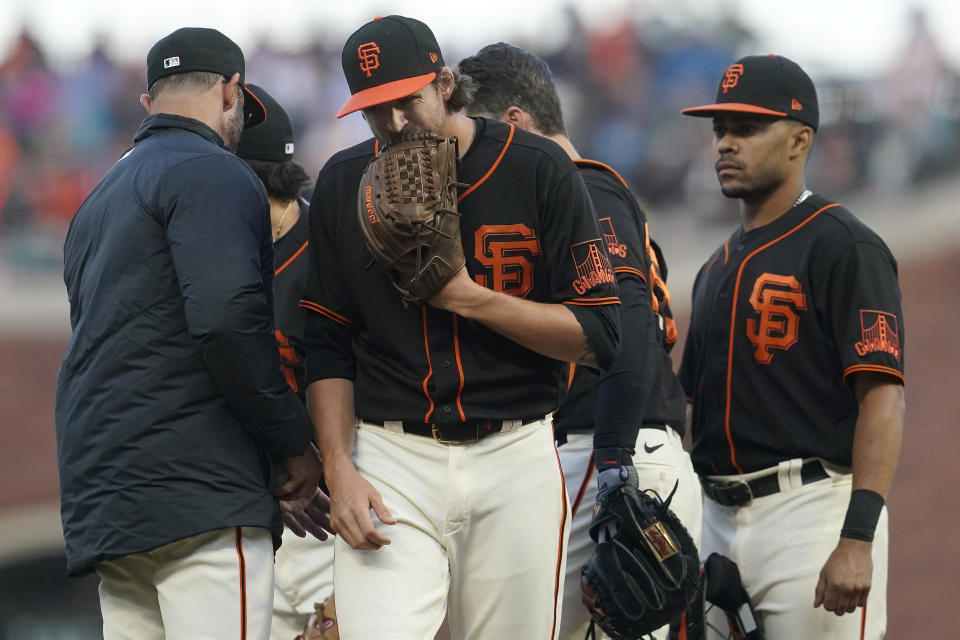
780	543
214	585
482	529
667	463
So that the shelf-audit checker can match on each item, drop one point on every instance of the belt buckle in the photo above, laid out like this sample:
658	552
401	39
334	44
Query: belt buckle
436	436
736	492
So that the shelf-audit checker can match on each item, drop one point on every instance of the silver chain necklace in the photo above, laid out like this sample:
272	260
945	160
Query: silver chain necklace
803	196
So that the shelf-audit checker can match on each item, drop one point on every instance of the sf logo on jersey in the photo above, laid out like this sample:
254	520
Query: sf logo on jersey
777	299
506	252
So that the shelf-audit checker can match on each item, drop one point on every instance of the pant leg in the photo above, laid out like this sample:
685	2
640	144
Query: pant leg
508	558
128	599
303	575
576	460
667	464
398	592
216	585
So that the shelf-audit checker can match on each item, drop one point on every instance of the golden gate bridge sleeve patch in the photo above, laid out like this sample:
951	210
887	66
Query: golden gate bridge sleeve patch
592	265
880	332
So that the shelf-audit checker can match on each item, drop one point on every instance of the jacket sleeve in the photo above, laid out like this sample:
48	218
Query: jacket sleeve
217	225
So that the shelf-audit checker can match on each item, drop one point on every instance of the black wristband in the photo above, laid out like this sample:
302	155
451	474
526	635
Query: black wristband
862	515
612	458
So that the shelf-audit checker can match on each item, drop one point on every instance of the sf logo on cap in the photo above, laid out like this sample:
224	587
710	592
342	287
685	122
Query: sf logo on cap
367	52
732	76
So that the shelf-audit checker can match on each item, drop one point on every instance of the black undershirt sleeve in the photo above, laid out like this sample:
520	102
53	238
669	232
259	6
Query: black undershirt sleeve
625	386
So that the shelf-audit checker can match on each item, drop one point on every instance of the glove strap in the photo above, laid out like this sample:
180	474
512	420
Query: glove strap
612	458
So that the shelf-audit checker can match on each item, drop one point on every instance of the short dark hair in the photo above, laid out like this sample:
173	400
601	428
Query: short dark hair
284	180
464	89
506	75
192	80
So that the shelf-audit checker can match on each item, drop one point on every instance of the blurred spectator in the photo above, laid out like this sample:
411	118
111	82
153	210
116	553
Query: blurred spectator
623	86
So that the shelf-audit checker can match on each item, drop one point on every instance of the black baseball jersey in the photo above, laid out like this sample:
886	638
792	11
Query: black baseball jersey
291	269
781	316
645	389
528	229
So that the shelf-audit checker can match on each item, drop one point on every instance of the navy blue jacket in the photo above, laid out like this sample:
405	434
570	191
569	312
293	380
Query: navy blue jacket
170	400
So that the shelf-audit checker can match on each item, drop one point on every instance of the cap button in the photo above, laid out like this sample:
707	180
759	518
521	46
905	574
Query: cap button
378	18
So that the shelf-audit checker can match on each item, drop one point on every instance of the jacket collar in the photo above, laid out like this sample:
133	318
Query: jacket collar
158	122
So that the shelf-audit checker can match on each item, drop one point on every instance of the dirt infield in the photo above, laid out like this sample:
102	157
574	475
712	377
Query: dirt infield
924	502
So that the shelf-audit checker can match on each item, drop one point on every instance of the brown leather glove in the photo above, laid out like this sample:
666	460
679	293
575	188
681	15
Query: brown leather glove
407	210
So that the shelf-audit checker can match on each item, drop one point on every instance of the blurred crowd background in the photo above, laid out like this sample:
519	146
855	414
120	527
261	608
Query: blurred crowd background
622	87
888	146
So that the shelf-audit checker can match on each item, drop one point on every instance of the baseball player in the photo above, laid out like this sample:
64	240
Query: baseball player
303	572
794	366
633	413
438	417
170	402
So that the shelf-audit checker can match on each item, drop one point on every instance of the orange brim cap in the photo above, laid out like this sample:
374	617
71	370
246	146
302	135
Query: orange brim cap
385	93
737	107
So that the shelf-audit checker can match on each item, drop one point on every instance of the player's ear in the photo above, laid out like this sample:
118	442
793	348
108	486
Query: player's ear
801	139
146	102
518	117
230	93
445	83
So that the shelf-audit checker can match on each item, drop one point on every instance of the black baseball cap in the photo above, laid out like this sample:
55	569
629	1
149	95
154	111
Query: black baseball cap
200	49
387	59
770	85
272	139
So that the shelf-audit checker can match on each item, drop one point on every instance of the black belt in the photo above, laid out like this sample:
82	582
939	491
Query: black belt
455	432
736	493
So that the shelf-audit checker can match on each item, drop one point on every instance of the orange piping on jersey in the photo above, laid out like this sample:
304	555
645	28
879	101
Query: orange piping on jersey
376	146
493	168
560	550
583	487
631	271
292	258
710	266
426	349
238	537
875	368
733	323
726	251
713	468
332	315
689	399
594	163
682	635
592	302
456	351
573	370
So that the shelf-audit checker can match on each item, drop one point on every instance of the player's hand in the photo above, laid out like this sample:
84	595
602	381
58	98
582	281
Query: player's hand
845	579
351	498
297	478
308	516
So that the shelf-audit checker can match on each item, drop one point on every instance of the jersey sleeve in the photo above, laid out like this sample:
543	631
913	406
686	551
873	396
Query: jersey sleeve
218	232
866	310
330	323
581	275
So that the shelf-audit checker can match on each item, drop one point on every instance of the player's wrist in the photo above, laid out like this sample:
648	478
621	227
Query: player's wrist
863	513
